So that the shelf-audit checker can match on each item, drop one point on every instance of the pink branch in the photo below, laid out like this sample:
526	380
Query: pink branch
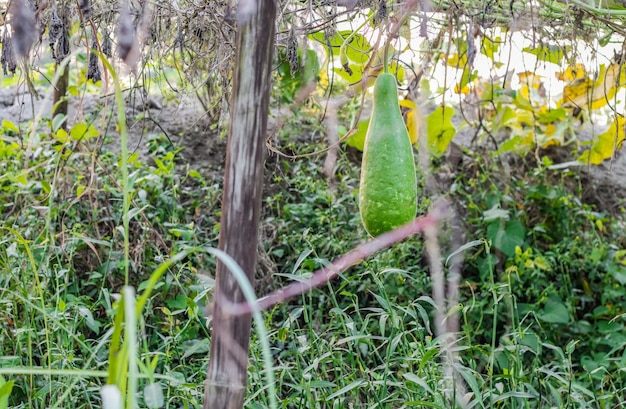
344	262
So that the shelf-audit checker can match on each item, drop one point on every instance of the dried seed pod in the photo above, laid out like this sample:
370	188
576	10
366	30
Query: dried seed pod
106	44
85	8
7	59
23	25
62	49
55	29
292	54
381	13
93	69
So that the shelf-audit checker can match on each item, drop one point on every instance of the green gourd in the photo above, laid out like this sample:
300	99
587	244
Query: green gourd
388	190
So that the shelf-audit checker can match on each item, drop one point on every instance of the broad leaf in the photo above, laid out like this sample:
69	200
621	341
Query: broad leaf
412	119
82	131
506	236
549	53
607	143
586	93
441	131
5	391
9	126
357	139
554	312
357	48
490	48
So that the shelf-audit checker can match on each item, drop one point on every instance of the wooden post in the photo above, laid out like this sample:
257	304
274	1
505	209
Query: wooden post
241	204
59	98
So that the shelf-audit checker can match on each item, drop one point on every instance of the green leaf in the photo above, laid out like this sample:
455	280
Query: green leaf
22	178
73	90
321	384
505	236
397	70
57	121
89	319
612	5
466	76
619	274
418	381
311	67
509	115
518	143
83	131
5	392
196	346
441	131
354	76
541	263
195	174
514	394
552	115
495	213
357	139
61	135
9	126
549	53
346	389
489	48
334	41
153	396
356	48
178	303
80	189
554	312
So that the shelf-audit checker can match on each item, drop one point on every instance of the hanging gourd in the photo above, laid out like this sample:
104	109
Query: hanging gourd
388	189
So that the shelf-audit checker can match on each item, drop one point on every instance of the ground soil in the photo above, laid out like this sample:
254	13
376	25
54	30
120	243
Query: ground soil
202	148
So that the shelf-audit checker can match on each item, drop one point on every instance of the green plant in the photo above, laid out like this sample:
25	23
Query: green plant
547	283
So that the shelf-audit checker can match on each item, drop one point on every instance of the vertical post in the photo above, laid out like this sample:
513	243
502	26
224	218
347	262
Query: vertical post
59	98
241	204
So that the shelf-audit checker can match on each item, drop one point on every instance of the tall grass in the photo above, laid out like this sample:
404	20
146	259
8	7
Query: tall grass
366	340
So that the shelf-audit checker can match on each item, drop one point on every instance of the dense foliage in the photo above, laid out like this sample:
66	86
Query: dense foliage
541	303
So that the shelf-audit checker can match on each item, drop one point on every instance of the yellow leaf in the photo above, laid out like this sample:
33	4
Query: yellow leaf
589	94
412	125
526	118
572	73
458	90
608	142
532	94
412	119
553	134
530	79
455	61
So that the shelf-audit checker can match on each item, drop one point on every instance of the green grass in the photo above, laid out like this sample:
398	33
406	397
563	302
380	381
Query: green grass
541	301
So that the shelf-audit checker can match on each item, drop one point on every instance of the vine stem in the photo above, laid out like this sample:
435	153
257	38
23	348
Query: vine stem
386	57
358	254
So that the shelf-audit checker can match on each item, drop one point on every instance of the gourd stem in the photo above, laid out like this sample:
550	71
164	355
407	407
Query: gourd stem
385	58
